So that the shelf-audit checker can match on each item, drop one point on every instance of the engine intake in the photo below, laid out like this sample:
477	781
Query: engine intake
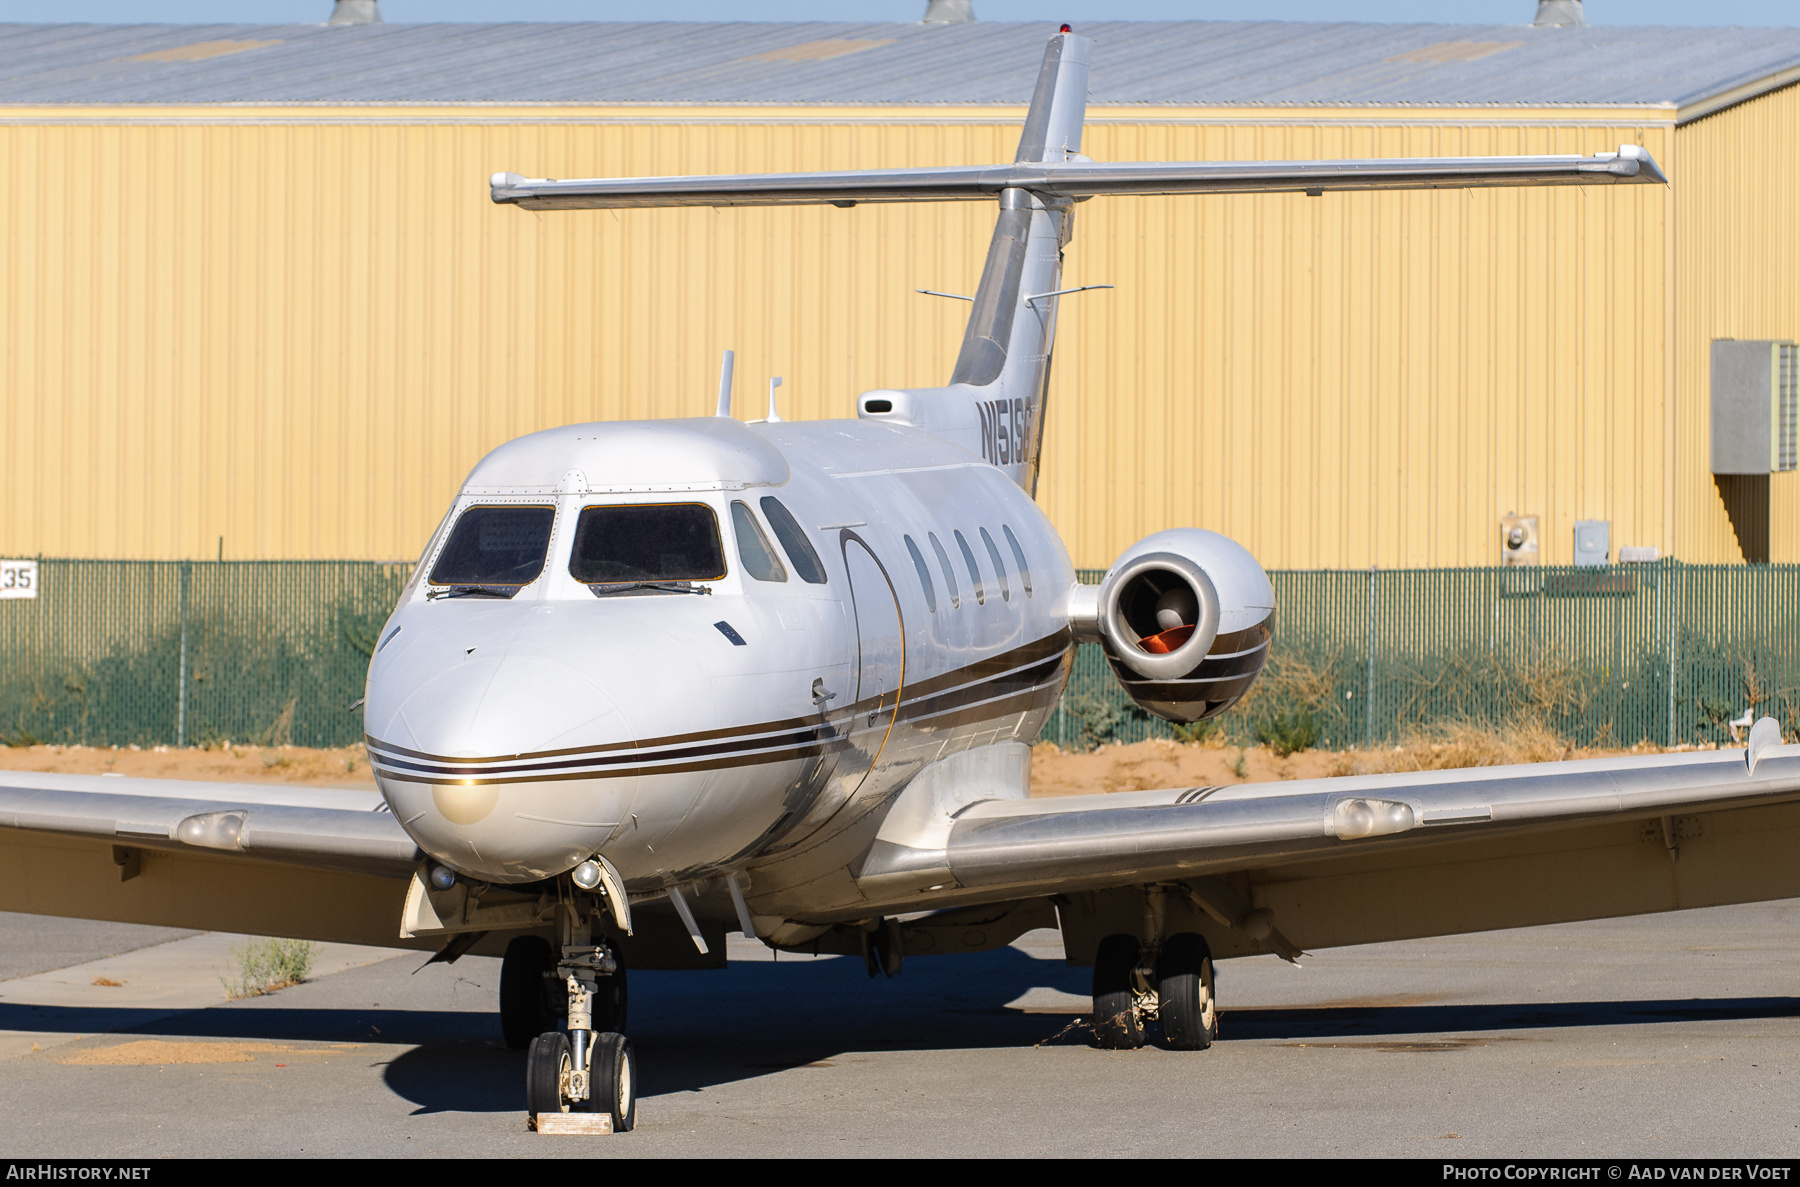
1186	617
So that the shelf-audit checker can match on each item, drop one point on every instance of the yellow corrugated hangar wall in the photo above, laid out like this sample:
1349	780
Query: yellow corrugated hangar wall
296	326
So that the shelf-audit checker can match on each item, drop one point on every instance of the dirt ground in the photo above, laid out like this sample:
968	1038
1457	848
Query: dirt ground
347	766
1137	767
1142	766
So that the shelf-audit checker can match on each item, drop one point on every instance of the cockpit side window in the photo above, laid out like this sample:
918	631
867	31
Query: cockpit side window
974	569
949	573
1019	556
999	566
647	542
499	547
799	548
924	575
753	548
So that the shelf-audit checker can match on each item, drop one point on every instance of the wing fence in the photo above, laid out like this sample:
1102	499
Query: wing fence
272	652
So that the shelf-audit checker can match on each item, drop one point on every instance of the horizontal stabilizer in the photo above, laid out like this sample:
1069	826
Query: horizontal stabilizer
1078	180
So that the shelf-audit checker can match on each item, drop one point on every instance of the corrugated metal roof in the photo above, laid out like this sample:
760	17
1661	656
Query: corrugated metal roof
1138	62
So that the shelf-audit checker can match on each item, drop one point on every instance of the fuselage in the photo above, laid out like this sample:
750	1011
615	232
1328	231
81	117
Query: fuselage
762	725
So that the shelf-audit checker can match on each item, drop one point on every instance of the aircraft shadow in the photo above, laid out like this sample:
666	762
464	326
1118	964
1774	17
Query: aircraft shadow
1356	1021
693	1030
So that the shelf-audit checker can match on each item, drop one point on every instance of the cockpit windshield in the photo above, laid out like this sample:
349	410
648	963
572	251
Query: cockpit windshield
654	542
503	547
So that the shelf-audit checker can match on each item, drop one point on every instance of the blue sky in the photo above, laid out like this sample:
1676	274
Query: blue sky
1599	12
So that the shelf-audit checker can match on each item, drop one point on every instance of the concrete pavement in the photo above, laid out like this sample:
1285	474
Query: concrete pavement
1666	1036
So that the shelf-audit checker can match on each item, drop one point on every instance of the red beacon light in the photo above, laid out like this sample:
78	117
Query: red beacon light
1066	29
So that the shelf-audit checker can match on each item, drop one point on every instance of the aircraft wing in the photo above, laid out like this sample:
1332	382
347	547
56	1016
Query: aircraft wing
320	828
1078	180
258	859
1363	858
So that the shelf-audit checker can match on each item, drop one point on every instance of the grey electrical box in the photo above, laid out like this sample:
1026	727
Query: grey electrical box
1593	541
1755	406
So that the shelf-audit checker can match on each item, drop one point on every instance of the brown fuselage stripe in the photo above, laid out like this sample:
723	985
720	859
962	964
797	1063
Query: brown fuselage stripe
453	768
1026	679
1018	657
714	764
981	669
1018	702
769	727
1038	683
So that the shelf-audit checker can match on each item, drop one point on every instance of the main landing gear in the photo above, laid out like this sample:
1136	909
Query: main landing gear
1134	984
568	1010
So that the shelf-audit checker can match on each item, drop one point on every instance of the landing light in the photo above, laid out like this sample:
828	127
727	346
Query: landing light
586	875
1370	818
442	877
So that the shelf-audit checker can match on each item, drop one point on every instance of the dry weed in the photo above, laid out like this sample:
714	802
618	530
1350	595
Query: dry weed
1455	745
1293	679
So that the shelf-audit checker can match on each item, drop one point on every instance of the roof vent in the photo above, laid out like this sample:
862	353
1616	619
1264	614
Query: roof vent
362	12
940	12
1553	13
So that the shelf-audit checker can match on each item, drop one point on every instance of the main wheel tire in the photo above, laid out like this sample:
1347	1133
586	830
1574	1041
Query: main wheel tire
613	1082
547	1069
609	1002
1117	1026
1184	991
525	1011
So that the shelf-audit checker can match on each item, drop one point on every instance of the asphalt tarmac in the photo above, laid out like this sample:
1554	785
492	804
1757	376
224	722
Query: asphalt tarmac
1657	1037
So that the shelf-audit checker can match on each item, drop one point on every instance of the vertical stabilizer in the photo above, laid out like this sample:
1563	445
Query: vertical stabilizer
996	399
1059	104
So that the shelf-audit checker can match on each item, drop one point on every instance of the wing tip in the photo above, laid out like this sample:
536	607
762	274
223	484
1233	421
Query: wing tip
506	187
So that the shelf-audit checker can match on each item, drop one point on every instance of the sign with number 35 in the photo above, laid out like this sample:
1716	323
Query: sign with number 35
18	579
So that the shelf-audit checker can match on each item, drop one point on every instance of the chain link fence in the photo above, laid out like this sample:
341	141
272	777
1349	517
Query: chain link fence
273	652
1663	653
116	653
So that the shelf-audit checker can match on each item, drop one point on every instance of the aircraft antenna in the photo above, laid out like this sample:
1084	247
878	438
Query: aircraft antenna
774	383
725	366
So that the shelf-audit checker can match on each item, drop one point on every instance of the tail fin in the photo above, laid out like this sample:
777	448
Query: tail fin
1006	349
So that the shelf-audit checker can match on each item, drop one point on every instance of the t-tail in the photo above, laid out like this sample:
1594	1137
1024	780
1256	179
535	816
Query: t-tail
994	403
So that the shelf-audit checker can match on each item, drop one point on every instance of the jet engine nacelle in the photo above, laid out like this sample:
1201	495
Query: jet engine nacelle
1186	617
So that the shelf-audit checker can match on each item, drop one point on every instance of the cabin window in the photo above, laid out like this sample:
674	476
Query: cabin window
495	550
949	573
649	542
999	568
924	574
799	549
759	559
1019	556
974	569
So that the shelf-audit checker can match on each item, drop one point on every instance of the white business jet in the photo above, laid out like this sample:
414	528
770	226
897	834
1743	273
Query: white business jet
655	679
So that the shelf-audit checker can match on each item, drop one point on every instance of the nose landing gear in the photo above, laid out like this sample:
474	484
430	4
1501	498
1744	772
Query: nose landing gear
587	1067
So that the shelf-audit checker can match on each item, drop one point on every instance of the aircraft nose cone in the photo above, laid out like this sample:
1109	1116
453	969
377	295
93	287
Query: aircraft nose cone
509	707
504	705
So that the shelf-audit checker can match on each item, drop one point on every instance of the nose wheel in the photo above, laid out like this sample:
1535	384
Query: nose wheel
588	1066
608	1084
